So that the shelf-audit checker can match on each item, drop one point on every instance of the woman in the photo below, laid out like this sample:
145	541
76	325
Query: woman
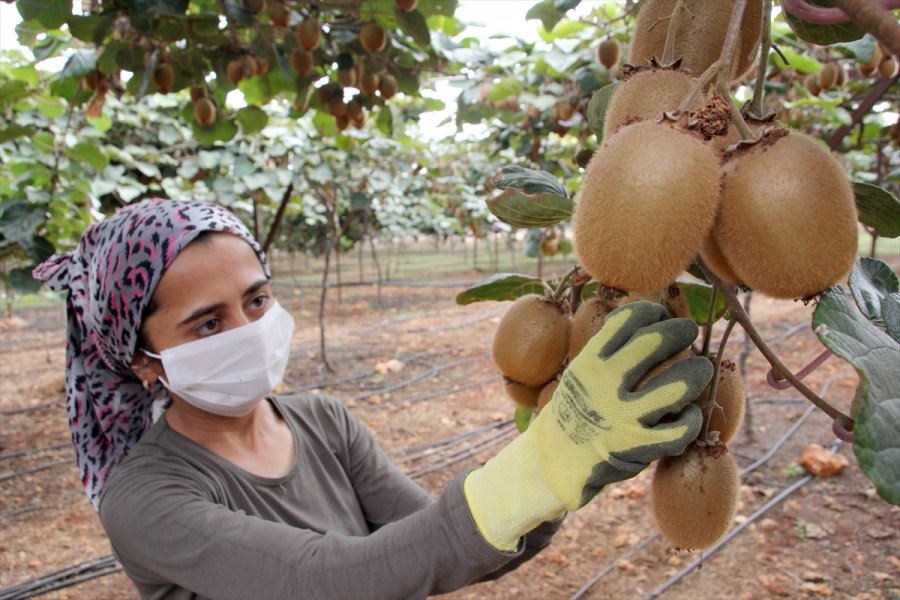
236	493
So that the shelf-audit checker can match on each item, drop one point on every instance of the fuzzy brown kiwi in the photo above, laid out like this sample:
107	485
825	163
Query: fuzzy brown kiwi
406	5
532	340
546	395
646	95
354	108
648	198
94	79
235	70
347	77
588	320
262	65
728	414
871	65
828	76
198	91
372	37
279	13
694	495
254	6
787	225
609	52
368	83
205	111
359	121
700	35
387	86
163	77
712	256
523	395
308	33
301	61
342	122
811	82
887	68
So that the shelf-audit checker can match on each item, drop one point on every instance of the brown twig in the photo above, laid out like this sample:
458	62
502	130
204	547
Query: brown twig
674	19
878	90
757	109
714	385
276	222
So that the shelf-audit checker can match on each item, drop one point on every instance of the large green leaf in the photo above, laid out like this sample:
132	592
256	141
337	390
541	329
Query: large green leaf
89	153
522	417
22	281
12	132
529	181
413	24
547	13
79	64
596	111
500	287
823	34
49	13
875	356
530	198
144	8
890	314
13	91
877	208
252	119
90	28
870	281
698	295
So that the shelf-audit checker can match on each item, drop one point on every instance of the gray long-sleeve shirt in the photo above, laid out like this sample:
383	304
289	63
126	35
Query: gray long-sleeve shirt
343	523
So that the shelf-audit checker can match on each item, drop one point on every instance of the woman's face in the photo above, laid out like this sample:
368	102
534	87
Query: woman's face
214	284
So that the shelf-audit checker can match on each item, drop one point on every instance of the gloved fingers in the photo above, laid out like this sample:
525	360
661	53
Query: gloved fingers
671	390
620	325
674	436
650	346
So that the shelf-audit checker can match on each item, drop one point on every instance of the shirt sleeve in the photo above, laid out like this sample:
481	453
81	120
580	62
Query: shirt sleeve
166	527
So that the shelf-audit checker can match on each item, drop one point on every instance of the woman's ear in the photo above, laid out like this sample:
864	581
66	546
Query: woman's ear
145	368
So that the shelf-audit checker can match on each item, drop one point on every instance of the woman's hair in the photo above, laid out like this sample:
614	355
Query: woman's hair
111	277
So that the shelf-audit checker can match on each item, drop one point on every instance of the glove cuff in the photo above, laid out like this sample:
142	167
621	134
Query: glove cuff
507	496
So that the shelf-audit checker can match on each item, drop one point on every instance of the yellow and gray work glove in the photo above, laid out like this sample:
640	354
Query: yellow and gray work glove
595	430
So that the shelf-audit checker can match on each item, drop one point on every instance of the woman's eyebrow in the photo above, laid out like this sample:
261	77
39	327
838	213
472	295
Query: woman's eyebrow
214	307
255	287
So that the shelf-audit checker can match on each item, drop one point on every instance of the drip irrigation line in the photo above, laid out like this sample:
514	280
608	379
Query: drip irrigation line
41	505
34	470
431	372
738	529
430	395
360	374
790	332
21	453
97	567
462	453
416	450
745	471
23	409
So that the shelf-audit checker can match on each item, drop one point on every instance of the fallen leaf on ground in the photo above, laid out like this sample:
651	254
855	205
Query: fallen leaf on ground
821	462
816	589
776	584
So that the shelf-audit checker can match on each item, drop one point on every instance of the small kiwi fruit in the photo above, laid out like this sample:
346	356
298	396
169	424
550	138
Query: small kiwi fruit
198	91
589	318
695	495
368	83
387	86
164	77
354	108
712	256
342	122
254	6
262	65
648	199
871	65
887	68
700	34
546	394
307	33
94	79
787	225
235	70
347	77
205	111
279	13
532	340
811	82
359	121
646	95
828	76
728	414
523	395
336	107
301	61
609	52
372	37
406	5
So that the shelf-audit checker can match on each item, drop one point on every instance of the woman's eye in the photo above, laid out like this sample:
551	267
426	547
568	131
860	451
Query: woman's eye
207	327
260	301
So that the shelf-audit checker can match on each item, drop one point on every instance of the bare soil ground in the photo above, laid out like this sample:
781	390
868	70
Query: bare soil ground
830	537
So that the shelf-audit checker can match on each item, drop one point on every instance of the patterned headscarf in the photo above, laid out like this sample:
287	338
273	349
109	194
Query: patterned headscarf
111	276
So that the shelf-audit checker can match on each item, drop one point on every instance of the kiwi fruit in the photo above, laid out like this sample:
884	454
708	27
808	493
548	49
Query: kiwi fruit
532	340
336	107
198	91
546	395
387	86
648	199
342	122
205	111
646	95
787	223
372	37
589	318
609	52
163	77
728	414
262	65
871	65
523	395
887	68
301	61
700	35
279	13
94	79
368	83
828	76
234	70
564	110
359	121
307	33
694	495
347	77
354	108
254	6
811	82
712	256
406	5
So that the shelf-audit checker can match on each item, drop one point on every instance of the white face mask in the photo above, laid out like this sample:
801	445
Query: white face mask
231	372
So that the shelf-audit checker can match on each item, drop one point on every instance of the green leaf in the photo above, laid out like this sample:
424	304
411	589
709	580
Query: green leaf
220	131
823	35
90	28
89	153
890	314
596	111
878	209
799	62
252	119
875	356
546	12
146	8
501	287
385	120
22	282
14	131
530	198
506	87
566	5
49	13
102	123
446	8
522	417
697	295
413	24
43	141
13	91
529	181
862	50
80	64
870	281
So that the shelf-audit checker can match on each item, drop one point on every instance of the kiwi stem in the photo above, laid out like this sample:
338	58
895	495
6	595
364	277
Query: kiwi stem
699	84
707	335
674	19
728	47
759	86
737	118
714	385
563	284
729	291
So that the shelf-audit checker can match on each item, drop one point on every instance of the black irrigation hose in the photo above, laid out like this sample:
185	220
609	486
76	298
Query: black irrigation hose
750	468
21	453
97	567
429	395
462	453
431	372
418	450
23	409
37	469
39	506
